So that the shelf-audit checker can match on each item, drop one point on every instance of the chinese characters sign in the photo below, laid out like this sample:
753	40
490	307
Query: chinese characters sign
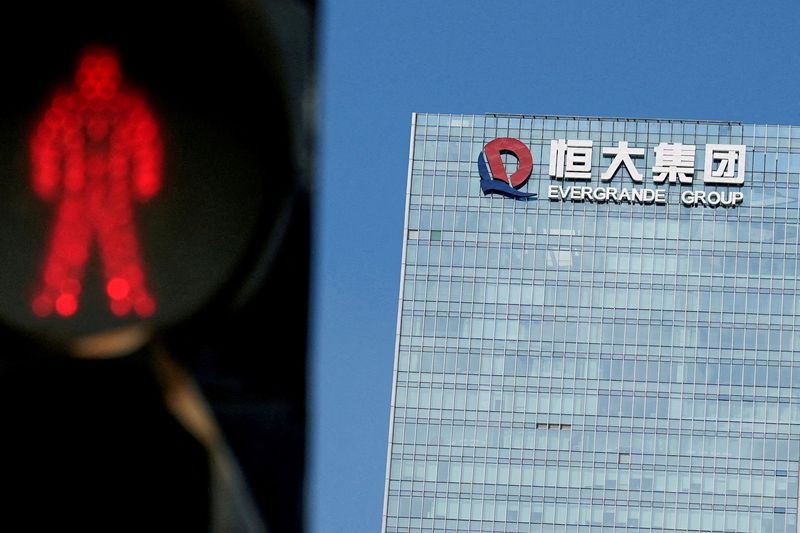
675	164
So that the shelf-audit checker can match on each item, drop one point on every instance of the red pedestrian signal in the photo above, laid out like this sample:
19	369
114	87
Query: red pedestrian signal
142	178
155	187
96	151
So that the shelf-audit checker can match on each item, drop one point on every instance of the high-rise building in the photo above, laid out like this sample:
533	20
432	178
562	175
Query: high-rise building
598	327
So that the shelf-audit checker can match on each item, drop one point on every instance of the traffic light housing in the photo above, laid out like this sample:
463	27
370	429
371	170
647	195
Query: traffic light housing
217	224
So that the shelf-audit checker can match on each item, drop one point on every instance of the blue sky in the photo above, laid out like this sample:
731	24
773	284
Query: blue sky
381	61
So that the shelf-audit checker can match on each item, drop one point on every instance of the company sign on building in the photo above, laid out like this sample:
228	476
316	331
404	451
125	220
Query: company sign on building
570	160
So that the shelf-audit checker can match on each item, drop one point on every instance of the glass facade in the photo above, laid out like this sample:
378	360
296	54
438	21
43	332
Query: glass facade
567	365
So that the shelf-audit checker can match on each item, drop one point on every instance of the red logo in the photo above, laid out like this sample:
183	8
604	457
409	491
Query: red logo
495	178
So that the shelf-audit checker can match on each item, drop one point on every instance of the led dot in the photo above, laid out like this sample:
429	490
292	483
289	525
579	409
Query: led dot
121	307
71	286
53	274
66	305
75	253
134	273
42	306
145	306
118	288
54	119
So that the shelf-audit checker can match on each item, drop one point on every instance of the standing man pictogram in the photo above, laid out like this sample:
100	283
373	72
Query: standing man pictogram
95	152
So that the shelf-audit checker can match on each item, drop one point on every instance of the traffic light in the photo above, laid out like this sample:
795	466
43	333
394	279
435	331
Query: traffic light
154	190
